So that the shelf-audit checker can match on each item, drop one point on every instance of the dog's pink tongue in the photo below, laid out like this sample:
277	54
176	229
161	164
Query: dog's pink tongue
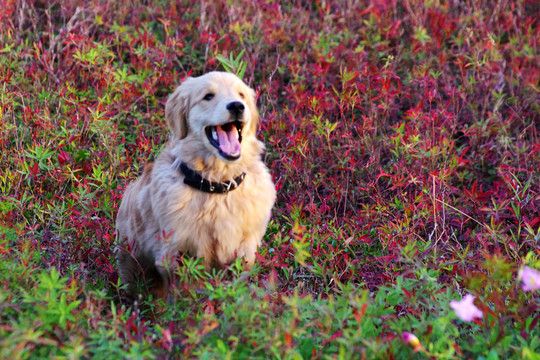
228	140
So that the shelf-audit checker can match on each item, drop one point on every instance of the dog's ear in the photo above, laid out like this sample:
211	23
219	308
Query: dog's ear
176	110
254	111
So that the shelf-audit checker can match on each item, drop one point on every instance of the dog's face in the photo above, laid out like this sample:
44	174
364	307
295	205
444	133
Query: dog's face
217	109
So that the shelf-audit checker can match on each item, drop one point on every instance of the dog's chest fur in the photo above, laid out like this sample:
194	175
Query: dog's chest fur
216	227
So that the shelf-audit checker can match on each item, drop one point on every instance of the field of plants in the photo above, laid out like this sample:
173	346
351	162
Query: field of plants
403	138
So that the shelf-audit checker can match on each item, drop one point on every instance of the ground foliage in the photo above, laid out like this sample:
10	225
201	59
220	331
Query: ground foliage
403	137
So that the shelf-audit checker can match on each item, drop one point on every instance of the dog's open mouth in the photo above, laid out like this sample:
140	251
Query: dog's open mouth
226	138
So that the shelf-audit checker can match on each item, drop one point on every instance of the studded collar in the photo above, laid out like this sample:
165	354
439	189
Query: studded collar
196	181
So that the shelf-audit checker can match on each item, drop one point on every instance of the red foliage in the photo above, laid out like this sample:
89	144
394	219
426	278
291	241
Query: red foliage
386	124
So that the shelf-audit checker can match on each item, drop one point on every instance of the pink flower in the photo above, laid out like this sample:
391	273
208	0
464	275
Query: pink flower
412	341
465	309
530	278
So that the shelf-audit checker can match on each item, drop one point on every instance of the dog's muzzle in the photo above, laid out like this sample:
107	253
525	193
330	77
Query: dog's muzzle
227	138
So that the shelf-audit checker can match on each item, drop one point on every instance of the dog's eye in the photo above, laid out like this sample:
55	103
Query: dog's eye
242	95
208	97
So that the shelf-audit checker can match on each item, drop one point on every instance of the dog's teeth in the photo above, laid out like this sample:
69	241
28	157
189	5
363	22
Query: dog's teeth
214	134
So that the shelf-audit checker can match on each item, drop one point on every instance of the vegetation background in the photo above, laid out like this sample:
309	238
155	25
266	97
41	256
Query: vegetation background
403	137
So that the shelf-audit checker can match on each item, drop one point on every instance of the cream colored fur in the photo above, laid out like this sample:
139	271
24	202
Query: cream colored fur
161	216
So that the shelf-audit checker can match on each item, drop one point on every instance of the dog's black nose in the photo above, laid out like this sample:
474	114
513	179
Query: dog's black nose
236	108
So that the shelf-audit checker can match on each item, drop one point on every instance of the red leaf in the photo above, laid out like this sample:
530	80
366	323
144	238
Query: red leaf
34	169
359	315
336	335
63	157
288	339
407	294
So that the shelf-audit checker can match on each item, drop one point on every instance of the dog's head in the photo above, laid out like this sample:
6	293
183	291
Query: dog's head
218	109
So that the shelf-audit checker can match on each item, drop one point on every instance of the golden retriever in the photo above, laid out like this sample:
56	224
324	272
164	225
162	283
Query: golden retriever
208	194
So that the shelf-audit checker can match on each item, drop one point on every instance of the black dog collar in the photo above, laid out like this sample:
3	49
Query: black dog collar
195	180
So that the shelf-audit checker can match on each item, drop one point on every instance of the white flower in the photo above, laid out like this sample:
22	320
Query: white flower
530	278
465	309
